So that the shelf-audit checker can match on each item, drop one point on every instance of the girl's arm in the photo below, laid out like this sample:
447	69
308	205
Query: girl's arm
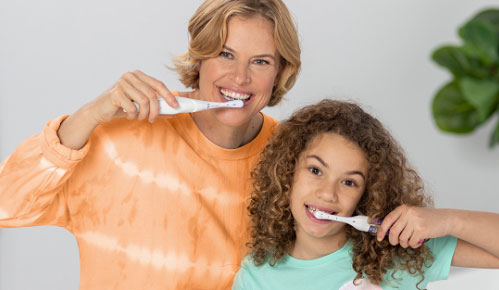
477	232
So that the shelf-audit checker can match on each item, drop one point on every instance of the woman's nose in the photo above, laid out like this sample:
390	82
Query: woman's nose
241	74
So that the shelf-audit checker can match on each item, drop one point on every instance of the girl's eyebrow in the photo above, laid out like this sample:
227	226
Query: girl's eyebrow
260	55
354	172
313	156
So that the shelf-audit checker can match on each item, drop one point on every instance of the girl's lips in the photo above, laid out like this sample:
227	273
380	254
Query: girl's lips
314	219
321	208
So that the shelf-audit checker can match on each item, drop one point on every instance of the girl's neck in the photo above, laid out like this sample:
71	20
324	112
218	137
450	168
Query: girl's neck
309	248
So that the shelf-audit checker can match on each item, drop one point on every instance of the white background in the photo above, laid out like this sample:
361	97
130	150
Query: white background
57	55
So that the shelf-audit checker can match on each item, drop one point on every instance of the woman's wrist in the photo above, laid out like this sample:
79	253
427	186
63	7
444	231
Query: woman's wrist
76	129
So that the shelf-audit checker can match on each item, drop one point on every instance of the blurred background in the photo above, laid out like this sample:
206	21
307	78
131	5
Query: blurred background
57	55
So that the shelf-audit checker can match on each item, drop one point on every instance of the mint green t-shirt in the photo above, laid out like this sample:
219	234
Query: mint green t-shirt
335	271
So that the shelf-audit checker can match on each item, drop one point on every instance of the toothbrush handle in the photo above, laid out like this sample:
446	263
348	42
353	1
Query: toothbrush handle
185	105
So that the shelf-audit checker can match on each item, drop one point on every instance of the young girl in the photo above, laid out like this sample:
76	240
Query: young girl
336	158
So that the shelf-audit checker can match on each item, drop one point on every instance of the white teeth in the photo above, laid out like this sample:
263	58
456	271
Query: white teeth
312	210
233	95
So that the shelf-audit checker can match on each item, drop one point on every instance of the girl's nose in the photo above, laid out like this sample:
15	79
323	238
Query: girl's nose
327	191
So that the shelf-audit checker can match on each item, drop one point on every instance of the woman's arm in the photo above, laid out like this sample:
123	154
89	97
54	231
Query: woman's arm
478	232
131	87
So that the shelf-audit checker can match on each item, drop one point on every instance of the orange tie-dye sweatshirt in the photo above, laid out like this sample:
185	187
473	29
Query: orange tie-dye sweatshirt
152	206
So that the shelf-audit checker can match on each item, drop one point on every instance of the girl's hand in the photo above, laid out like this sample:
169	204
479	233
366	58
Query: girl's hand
409	226
131	87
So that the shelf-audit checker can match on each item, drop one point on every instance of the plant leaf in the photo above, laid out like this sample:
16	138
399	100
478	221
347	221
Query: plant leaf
480	41
482	94
451	111
491	16
494	138
459	63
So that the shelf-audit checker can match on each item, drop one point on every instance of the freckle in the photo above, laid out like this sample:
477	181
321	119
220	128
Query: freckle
165	223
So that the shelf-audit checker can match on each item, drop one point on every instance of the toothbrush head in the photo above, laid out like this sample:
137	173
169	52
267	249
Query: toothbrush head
322	215
235	103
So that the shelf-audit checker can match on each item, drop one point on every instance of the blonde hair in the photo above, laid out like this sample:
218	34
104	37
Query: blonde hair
208	32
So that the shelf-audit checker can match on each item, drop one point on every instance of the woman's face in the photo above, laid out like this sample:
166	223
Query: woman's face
330	176
246	69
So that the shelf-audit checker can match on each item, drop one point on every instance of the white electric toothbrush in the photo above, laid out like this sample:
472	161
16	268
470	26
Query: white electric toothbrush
188	105
360	222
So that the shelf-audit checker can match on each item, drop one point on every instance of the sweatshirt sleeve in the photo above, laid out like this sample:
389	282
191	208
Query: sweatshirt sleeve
33	180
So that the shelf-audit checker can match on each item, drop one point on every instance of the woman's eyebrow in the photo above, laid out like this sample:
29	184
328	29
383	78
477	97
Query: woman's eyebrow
259	55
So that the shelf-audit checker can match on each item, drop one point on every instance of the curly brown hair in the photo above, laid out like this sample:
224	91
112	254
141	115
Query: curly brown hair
390	182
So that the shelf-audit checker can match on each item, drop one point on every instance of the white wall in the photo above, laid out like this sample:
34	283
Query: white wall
56	55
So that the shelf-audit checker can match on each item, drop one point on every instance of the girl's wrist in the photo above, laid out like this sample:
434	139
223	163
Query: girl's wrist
453	222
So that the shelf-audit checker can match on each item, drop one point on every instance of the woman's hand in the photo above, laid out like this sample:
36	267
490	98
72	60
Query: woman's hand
115	102
136	87
409	226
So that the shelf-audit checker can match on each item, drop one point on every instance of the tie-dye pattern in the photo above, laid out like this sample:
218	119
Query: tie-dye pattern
152	206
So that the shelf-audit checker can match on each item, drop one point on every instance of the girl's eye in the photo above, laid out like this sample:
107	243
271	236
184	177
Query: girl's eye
225	54
315	170
349	183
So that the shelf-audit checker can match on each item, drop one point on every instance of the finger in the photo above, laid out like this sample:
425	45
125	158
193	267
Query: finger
148	91
396	230
387	223
129	109
405	236
137	96
415	241
121	101
159	87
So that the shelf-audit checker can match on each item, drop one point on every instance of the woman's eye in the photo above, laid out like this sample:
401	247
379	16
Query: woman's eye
349	183
261	61
225	54
315	170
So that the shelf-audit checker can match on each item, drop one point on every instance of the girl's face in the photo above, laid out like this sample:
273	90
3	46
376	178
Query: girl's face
246	69
330	176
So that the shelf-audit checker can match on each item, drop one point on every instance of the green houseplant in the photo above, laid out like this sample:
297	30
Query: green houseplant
472	96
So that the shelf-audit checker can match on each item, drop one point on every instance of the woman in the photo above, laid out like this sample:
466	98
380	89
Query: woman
160	203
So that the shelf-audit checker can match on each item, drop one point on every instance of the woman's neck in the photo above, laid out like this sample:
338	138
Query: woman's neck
226	136
229	137
308	248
